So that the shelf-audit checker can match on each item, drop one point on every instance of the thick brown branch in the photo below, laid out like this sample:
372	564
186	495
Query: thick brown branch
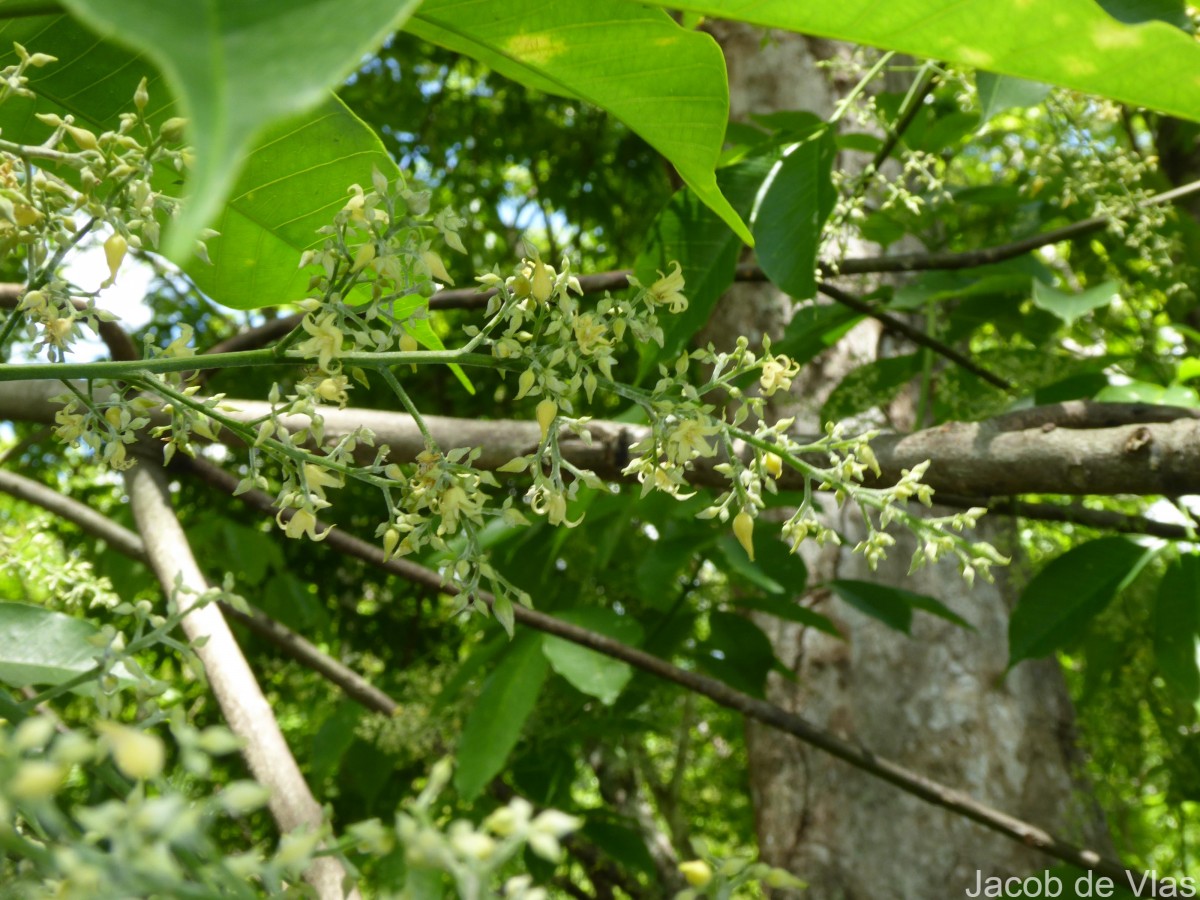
1158	452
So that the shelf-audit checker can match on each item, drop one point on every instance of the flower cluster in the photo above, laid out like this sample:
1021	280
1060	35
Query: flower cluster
474	855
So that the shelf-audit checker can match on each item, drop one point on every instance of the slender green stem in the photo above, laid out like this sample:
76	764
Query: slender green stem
131	369
844	105
409	406
10	325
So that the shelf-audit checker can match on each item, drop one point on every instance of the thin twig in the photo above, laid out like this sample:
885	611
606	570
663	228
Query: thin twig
913	334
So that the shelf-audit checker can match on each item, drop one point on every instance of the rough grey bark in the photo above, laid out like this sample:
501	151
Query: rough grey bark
938	701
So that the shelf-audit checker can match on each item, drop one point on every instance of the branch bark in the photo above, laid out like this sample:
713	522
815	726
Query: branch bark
245	708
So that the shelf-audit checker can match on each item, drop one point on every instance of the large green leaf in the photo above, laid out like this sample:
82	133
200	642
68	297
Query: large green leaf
1177	627
495	723
237	67
41	646
1064	596
665	82
1070	43
797	197
593	673
292	183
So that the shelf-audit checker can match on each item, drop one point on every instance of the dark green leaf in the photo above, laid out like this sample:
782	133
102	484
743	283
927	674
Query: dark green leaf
797	197
887	604
593	673
494	724
737	652
1064	596
688	232
1177	627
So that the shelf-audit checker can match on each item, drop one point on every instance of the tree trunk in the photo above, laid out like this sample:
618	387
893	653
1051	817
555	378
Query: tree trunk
938	701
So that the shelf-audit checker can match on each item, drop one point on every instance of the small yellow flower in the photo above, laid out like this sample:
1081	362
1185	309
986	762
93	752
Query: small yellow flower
436	267
777	374
668	290
541	281
688	438
325	342
773	463
302	522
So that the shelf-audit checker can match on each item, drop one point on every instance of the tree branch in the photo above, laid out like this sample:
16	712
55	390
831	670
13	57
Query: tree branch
1155	452
915	335
245	708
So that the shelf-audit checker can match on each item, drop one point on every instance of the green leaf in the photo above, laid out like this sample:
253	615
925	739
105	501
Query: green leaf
1064	596
41	646
1145	392
292	183
1073	44
870	385
688	232
665	82
797	197
237	67
1000	92
1070	307
884	602
737	652
815	328
494	724
1177	627
590	672
887	604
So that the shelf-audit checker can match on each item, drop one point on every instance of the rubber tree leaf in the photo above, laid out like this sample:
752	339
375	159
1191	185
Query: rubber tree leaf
41	646
688	232
587	671
1177	627
1069	43
796	199
737	652
1070	307
891	605
1000	92
1068	592
665	82
494	724
236	67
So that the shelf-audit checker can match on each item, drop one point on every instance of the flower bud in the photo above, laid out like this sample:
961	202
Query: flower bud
696	872
743	530
114	255
547	412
